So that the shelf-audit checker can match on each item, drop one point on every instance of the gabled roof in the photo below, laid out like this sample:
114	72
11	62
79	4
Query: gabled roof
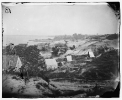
9	60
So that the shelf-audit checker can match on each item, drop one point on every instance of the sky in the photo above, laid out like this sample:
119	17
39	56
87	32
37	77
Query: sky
59	19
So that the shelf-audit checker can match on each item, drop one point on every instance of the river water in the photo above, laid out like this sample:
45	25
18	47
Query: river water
18	39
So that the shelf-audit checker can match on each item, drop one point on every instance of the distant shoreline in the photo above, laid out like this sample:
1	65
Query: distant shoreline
30	35
20	39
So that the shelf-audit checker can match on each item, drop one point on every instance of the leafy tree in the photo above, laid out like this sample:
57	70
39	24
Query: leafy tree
55	51
30	57
43	49
20	50
112	36
31	54
9	51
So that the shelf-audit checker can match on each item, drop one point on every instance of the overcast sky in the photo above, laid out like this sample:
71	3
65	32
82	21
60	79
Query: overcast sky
59	19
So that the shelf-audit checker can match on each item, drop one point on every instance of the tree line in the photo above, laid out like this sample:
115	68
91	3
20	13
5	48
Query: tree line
75	36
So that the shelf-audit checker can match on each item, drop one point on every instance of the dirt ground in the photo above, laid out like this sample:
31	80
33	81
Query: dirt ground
14	86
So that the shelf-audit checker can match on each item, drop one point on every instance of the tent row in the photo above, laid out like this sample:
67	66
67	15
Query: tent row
80	52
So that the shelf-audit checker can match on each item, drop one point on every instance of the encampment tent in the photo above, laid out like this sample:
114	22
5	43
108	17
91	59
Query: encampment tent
69	58
91	53
51	63
85	52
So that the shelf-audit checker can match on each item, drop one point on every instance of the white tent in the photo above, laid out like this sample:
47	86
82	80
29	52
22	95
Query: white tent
85	52
71	52
91	53
51	63
69	58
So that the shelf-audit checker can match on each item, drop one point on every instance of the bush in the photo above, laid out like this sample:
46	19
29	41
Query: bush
112	36
107	65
